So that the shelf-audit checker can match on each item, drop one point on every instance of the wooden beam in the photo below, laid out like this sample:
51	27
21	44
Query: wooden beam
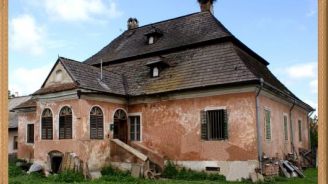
3	91
323	88
128	148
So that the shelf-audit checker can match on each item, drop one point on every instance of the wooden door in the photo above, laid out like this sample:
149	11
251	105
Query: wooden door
121	130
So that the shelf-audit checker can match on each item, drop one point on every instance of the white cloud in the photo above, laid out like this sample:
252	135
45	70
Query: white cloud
26	81
25	35
314	86
301	71
81	10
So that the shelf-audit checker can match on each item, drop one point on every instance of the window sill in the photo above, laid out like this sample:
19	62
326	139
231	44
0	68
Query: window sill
214	140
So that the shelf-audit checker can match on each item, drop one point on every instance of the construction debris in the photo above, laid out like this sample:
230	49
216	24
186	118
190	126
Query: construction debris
290	170
35	168
71	162
309	157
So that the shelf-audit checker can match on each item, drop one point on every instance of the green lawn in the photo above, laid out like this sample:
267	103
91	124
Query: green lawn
20	178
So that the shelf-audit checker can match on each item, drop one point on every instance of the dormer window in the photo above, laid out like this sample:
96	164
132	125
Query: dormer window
153	35
150	40
155	72
156	66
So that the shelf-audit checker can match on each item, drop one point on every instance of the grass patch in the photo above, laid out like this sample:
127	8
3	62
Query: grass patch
114	176
172	172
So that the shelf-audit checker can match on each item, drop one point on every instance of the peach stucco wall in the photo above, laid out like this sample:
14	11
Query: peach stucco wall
95	152
172	128
25	150
278	146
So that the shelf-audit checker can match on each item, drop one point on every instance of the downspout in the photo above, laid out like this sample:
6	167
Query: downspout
291	127
258	126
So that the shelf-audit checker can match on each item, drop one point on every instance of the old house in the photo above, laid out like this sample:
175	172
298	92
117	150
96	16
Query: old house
183	89
13	124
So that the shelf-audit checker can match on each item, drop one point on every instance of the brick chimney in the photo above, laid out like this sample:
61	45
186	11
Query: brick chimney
206	5
133	23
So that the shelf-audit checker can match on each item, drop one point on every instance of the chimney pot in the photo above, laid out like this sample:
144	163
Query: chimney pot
133	23
206	5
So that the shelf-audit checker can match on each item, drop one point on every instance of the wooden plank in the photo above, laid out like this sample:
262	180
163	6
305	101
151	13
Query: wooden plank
284	171
130	149
298	171
286	164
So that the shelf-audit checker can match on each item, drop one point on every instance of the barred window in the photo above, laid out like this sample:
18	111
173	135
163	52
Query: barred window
96	123
300	130
286	127
30	133
65	123
134	128
46	124
267	119
214	124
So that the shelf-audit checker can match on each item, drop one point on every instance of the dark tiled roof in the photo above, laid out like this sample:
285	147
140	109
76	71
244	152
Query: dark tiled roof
31	103
87	77
13	116
199	67
177	32
56	88
218	58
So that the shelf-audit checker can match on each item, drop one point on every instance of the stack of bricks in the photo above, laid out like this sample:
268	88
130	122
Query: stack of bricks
271	169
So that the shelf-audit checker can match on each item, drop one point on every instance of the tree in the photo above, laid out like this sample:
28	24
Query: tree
314	132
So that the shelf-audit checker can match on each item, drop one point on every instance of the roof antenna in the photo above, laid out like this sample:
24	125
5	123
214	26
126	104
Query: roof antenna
101	69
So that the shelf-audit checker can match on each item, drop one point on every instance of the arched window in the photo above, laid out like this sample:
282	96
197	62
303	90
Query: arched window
65	123
96	123
120	115
46	124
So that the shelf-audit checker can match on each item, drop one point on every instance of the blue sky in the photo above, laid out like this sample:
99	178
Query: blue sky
283	32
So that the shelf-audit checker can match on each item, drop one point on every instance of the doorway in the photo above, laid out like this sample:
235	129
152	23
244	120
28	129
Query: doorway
120	126
56	159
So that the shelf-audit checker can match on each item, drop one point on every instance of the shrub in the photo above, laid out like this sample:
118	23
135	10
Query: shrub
170	171
110	171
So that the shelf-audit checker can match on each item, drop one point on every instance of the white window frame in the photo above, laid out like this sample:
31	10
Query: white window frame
283	118
53	125
129	125
151	40
298	127
265	134
217	108
73	122
155	72
26	132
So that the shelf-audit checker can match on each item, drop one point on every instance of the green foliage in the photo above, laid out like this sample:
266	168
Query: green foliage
68	177
110	171
314	132
14	170
171	171
114	175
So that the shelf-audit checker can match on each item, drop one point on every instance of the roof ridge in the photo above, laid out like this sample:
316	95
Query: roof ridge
150	24
93	67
